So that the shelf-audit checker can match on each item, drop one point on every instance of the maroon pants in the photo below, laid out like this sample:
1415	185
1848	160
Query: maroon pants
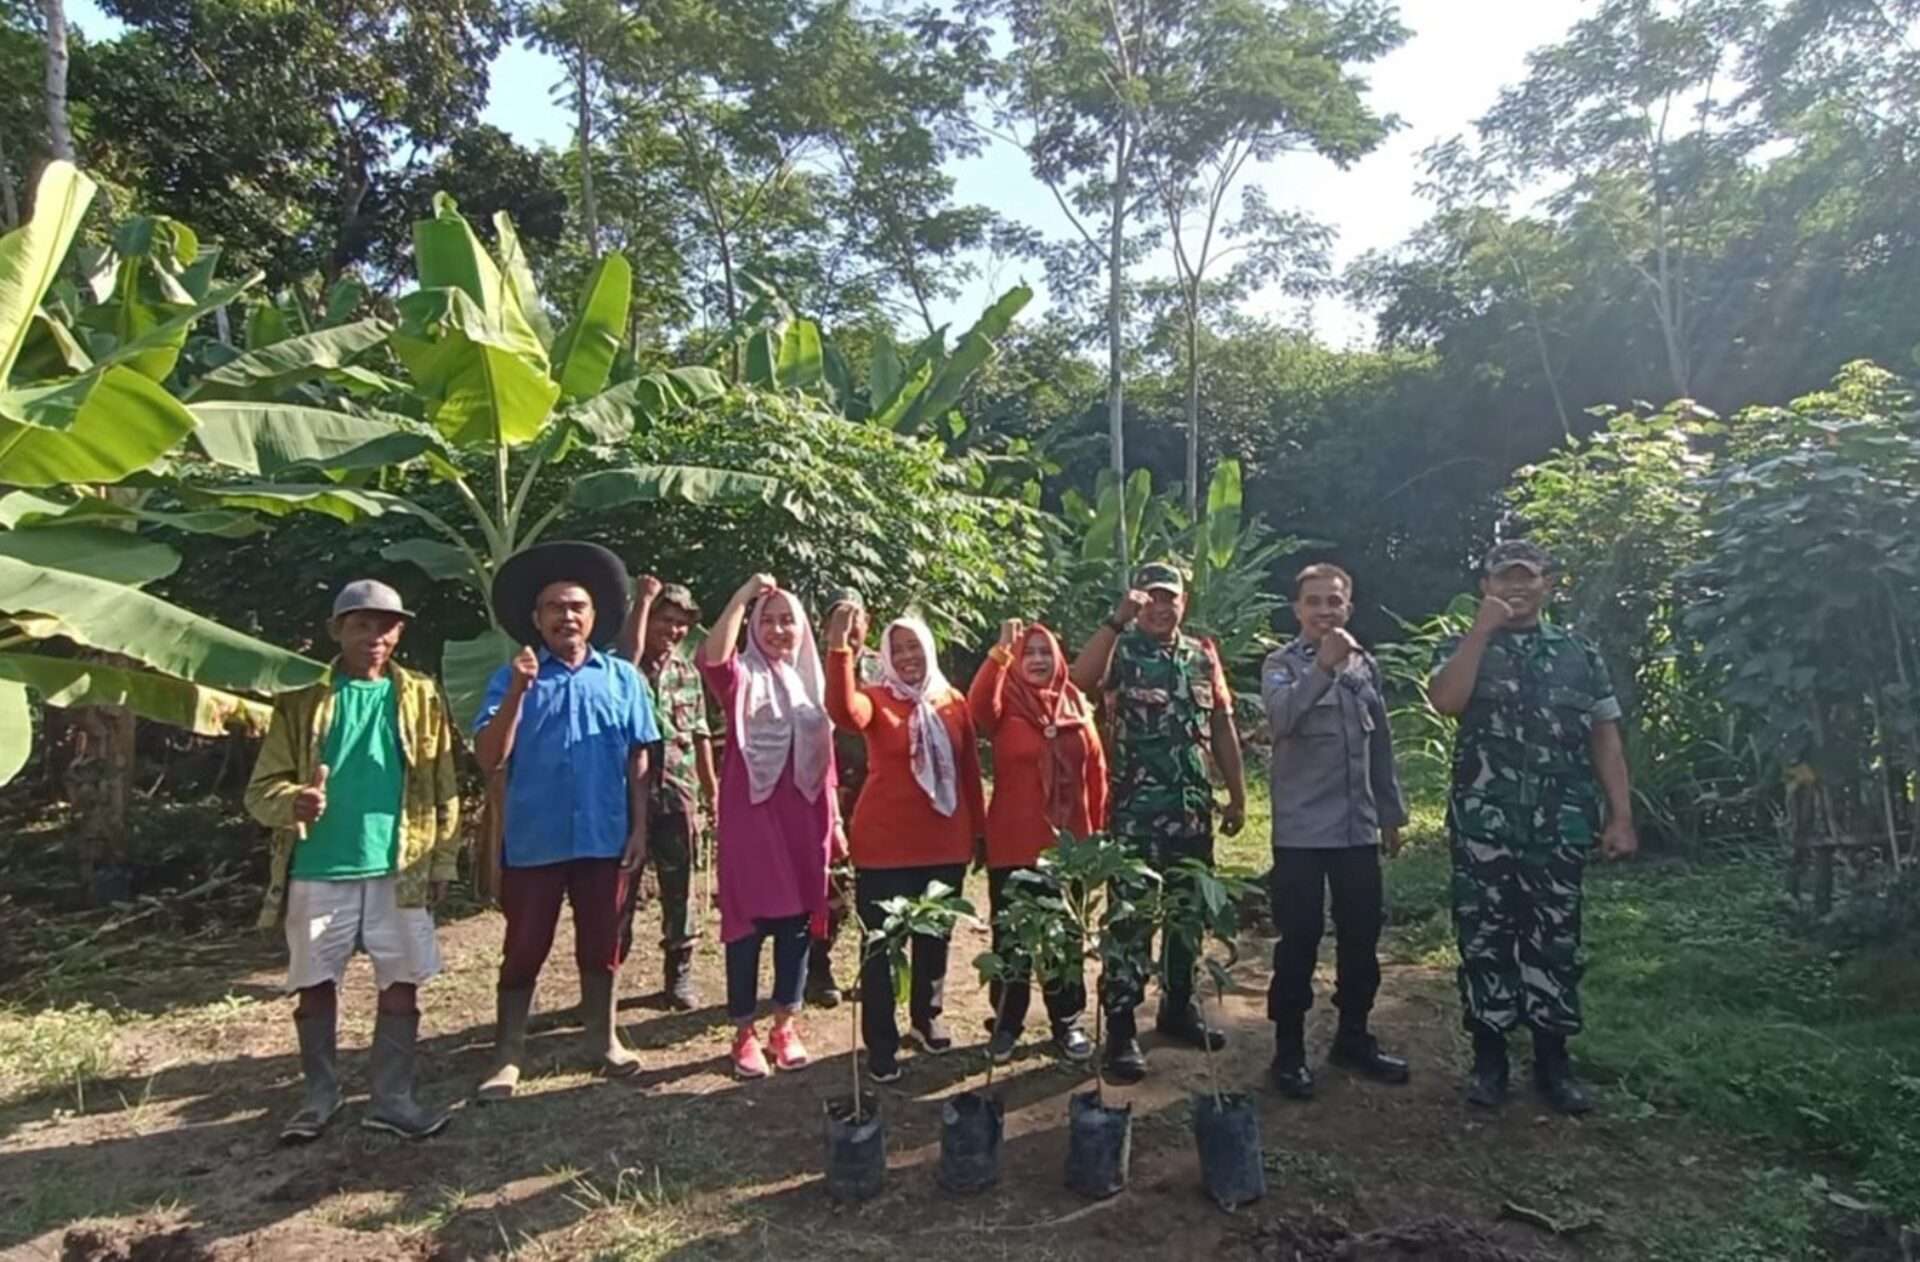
531	897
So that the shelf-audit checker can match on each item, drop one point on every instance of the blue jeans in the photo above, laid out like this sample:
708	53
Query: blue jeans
790	938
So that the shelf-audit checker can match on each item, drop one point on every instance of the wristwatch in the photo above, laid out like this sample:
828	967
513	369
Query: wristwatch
1117	625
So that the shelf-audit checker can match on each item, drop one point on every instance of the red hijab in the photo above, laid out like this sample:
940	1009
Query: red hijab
1073	776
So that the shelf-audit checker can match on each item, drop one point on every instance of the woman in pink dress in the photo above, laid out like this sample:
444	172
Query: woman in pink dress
775	826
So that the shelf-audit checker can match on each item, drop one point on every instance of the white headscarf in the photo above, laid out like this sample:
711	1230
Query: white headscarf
930	747
780	711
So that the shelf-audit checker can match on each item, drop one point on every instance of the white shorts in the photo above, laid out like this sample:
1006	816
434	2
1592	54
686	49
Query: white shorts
326	920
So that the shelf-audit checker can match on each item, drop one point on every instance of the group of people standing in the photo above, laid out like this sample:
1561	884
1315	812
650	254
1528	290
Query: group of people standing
601	732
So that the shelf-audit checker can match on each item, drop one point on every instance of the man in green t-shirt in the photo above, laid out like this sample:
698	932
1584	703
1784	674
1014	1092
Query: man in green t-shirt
357	774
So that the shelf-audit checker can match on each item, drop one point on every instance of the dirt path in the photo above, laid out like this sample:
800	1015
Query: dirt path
175	1157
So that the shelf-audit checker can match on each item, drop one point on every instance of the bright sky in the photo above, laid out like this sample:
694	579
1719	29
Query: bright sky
1461	54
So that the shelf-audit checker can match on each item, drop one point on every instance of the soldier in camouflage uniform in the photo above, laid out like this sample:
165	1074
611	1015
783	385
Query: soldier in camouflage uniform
1538	748
683	783
1165	709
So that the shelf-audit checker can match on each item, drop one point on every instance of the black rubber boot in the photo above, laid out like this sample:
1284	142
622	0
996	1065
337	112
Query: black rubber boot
1487	1084
822	990
393	1108
317	1055
1355	1049
682	996
1125	1062
1553	1076
1185	1026
600	1046
1289	1071
509	1045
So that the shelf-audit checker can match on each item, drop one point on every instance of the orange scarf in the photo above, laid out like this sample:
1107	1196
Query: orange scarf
1073	776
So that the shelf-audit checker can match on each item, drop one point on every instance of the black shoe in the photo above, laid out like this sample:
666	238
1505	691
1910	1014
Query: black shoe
1553	1077
884	1070
1359	1051
1189	1029
1072	1044
822	991
1487	1083
1291	1077
1000	1046
1125	1061
932	1037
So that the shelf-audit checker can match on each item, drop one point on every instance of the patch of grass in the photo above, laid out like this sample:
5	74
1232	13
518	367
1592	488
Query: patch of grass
1315	1174
1773	1220
57	1049
1700	997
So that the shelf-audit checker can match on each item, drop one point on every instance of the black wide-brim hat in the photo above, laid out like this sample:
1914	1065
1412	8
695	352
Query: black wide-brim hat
518	584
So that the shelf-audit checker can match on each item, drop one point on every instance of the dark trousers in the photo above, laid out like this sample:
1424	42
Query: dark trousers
1296	887
1065	1000
789	935
1123	984
928	955
670	852
839	902
531	897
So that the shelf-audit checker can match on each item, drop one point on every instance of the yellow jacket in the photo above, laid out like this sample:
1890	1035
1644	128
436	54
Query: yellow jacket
430	813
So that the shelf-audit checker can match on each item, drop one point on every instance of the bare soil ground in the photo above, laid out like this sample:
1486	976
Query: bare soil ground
174	1157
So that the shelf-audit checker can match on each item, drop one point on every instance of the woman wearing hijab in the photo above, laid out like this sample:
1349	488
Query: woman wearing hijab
919	814
776	809
1050	774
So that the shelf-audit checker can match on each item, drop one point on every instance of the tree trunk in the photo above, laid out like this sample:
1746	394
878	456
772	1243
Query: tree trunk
59	136
1116	327
9	198
97	784
583	83
1193	405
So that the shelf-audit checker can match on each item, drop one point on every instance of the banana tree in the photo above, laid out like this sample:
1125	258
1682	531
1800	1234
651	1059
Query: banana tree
84	408
487	400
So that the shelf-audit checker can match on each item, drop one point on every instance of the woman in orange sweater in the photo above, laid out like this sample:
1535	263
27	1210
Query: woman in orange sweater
1050	773
920	812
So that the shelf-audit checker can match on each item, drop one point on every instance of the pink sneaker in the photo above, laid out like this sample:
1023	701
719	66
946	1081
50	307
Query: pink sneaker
788	1051
748	1060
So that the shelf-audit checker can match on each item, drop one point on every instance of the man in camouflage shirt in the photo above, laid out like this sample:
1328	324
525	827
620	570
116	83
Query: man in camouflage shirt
685	780
1165	710
1539	745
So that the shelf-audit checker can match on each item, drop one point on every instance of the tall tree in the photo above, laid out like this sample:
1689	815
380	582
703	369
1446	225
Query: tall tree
1240	82
59	133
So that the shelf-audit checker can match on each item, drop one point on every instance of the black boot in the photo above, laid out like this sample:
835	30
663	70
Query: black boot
393	1108
1355	1049
822	990
1553	1076
1184	1025
1289	1070
1125	1062
681	994
1487	1084
322	1099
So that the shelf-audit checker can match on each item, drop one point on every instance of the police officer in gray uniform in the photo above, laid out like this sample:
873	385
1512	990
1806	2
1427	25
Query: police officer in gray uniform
1336	805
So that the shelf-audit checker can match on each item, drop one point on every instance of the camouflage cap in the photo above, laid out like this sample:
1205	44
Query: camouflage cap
677	595
1520	552
844	596
1158	574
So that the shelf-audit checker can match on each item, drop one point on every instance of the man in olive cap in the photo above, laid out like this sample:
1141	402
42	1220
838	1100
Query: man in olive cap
1169	715
1538	747
356	777
684	782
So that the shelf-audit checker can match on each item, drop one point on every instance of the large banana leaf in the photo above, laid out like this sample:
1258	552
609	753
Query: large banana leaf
478	385
43	603
30	255
465	668
439	560
24	508
800	364
283	499
885	377
269	438
96	428
609	417
155	348
448	256
16	730
688	484
50	351
1223	513
976	347
67	681
265	373
904	399
519	278
118	556
585	352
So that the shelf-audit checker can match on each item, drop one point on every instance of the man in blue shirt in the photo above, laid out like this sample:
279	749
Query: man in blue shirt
571	726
